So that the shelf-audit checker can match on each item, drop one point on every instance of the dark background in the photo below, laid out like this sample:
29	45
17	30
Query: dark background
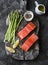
8	5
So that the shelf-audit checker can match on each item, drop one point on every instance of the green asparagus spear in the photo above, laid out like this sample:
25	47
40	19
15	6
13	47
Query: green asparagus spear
14	20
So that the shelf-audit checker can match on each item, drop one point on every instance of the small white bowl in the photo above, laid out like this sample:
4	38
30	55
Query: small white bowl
28	12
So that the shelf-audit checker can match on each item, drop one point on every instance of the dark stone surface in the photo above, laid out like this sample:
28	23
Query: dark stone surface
33	52
43	34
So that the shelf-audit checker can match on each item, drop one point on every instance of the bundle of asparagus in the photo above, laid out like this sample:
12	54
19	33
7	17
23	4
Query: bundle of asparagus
15	18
